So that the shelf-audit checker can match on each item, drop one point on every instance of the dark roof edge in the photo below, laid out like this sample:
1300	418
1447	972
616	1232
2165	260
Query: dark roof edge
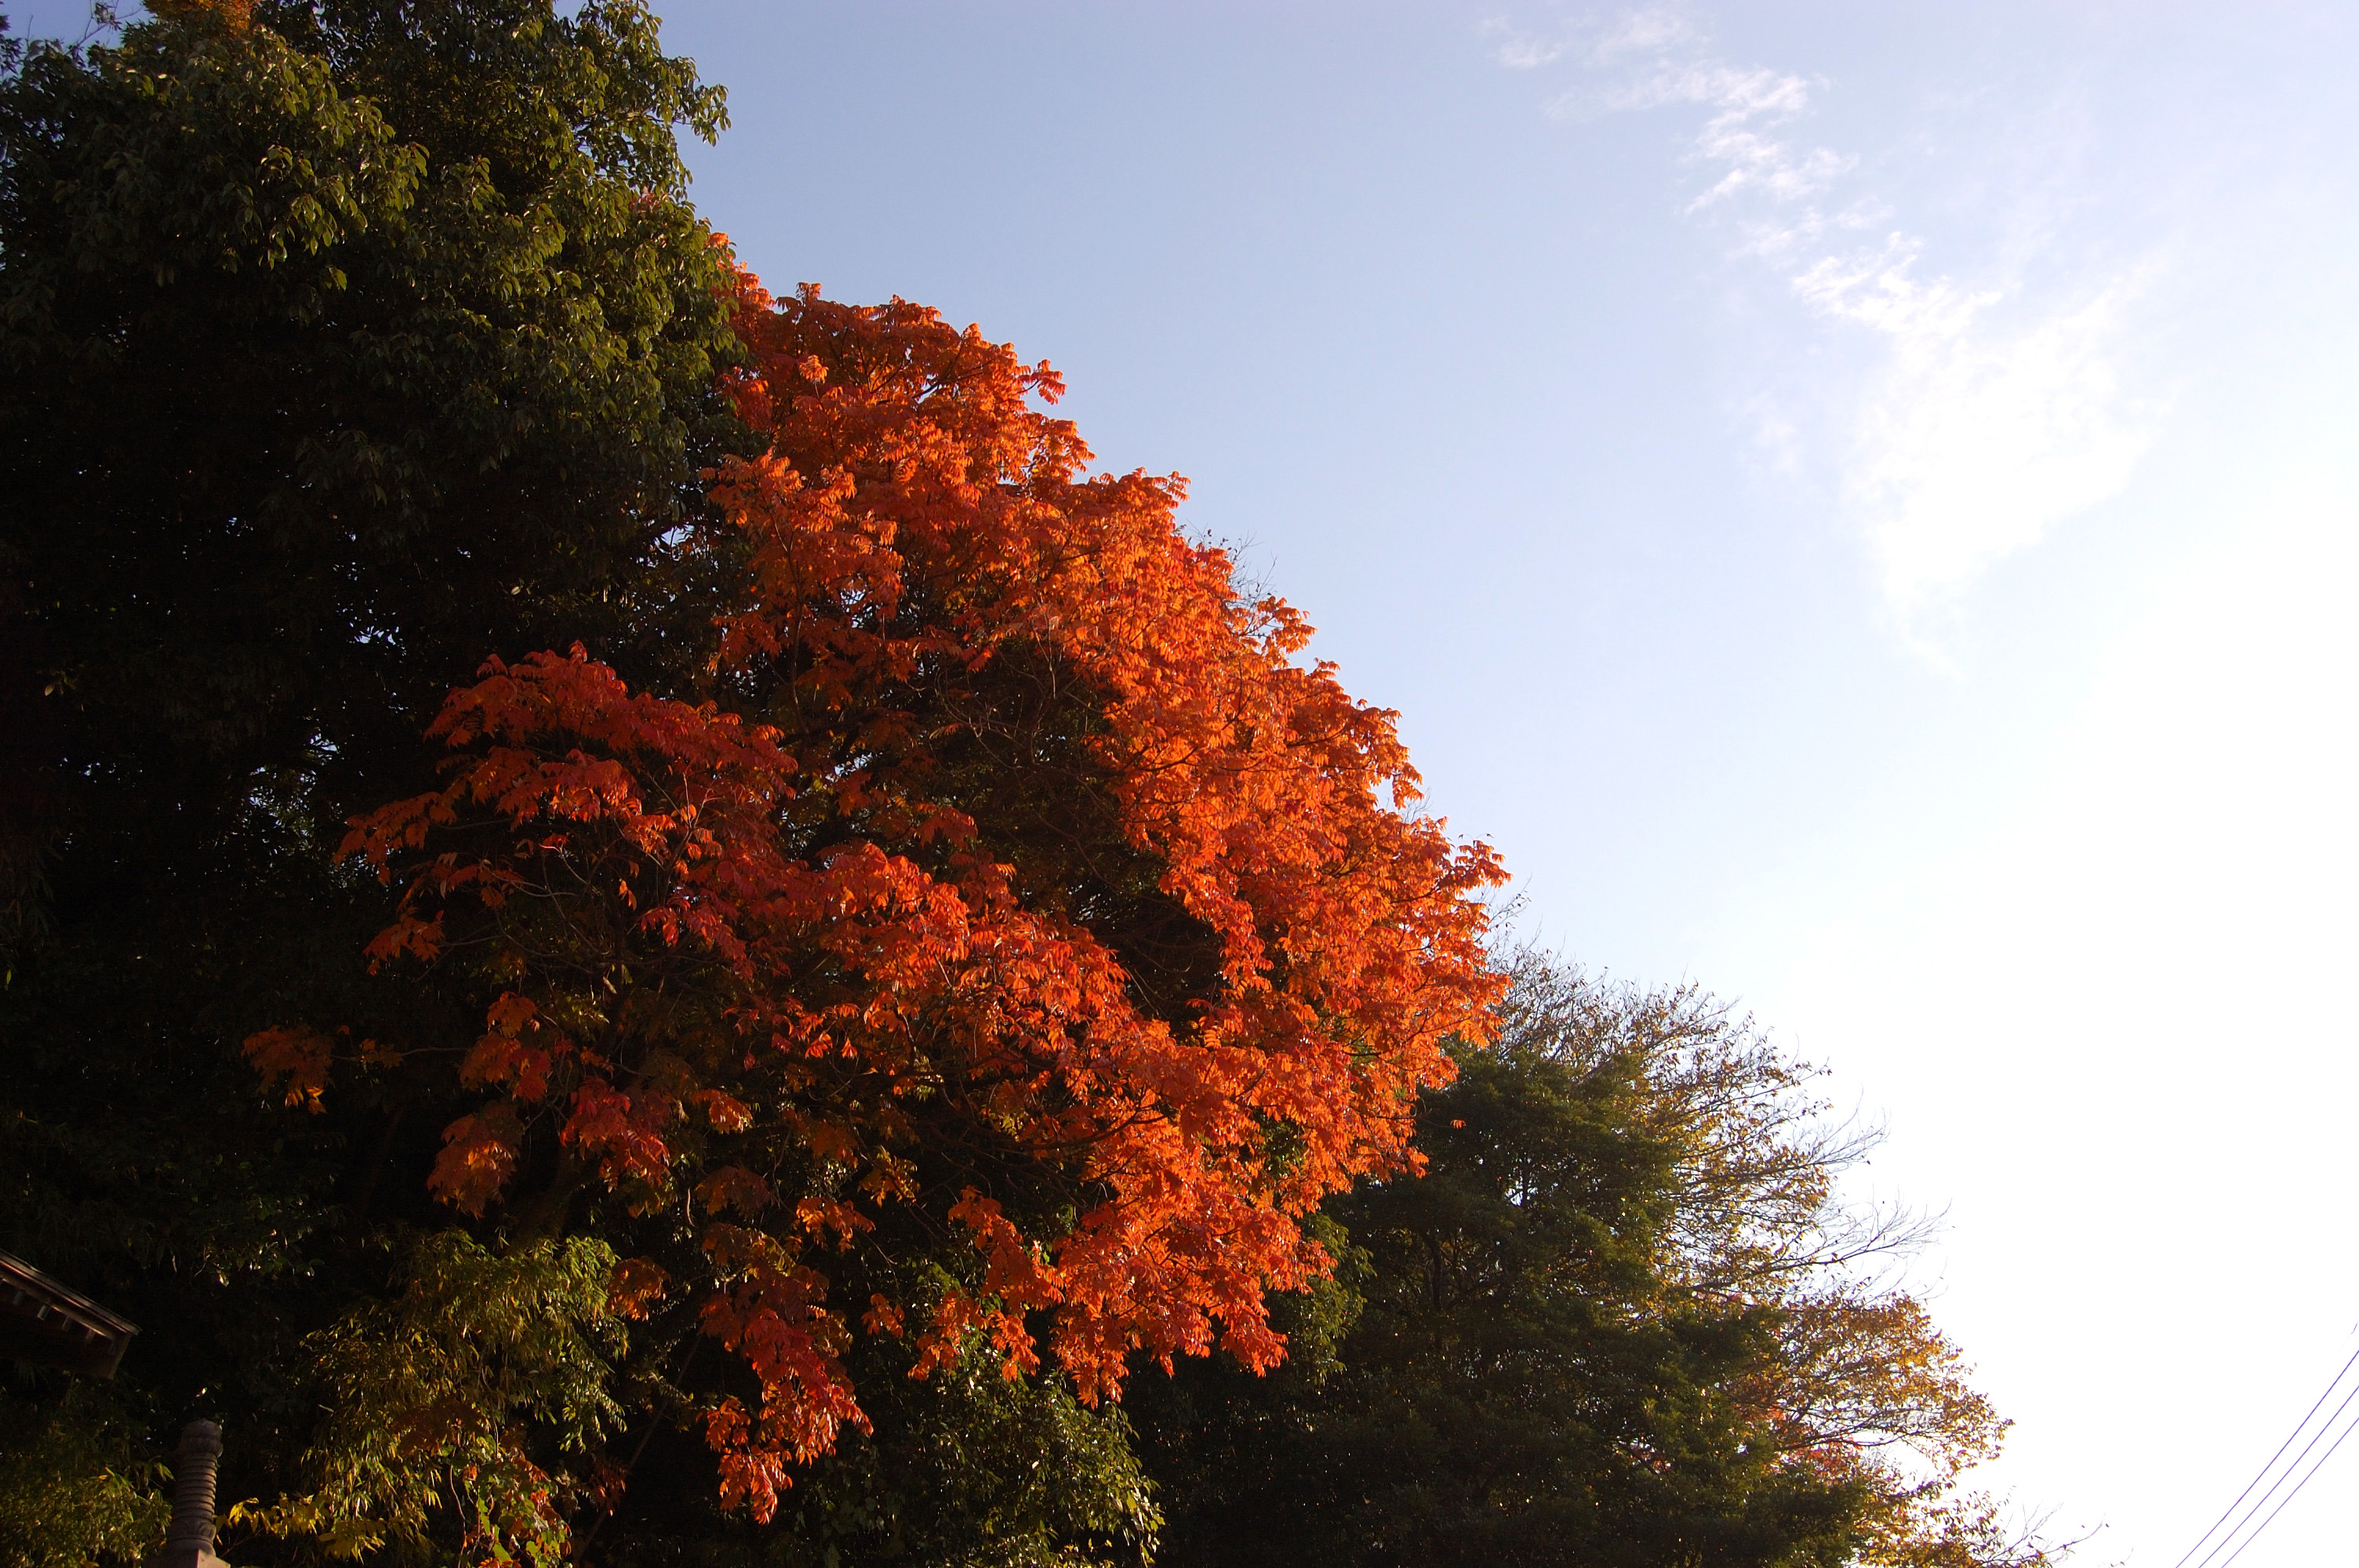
19	1280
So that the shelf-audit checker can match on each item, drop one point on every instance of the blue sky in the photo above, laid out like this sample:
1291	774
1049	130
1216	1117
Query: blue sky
1855	501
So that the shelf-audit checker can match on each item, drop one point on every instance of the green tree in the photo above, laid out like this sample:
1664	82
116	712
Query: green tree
77	1477
967	1468
1623	1319
341	345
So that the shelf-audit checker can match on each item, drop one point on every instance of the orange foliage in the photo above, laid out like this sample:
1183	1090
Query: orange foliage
1010	839
299	1057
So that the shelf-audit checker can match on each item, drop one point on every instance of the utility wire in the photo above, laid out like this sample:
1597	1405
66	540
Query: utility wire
2280	1481
2298	1486
2271	1465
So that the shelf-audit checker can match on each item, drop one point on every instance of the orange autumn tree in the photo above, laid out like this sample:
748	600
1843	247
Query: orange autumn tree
1012	880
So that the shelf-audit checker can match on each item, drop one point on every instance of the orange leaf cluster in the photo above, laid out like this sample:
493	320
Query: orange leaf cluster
1011	850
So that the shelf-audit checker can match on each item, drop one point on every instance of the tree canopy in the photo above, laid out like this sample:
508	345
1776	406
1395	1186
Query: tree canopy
1026	892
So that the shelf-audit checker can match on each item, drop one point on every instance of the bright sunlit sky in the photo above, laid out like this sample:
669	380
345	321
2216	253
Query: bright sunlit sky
1855	501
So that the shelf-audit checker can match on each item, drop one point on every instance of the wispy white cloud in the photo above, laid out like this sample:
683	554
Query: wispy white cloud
1989	414
1519	48
1736	95
1646	32
1596	42
1746	104
1526	51
1976	436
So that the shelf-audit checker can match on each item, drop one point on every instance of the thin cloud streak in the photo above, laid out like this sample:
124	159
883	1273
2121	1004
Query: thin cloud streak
1635	32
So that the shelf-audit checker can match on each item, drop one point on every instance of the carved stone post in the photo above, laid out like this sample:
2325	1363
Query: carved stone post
189	1542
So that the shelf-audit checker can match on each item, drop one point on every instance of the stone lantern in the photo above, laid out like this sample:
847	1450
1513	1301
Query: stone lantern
188	1542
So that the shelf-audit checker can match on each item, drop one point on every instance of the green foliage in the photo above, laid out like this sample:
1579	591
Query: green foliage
75	1486
1621	1320
336	352
973	1470
967	1467
436	1395
290	318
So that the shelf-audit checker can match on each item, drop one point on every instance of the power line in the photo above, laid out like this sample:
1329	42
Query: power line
2280	1481
2298	1486
2300	1427
2271	1465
